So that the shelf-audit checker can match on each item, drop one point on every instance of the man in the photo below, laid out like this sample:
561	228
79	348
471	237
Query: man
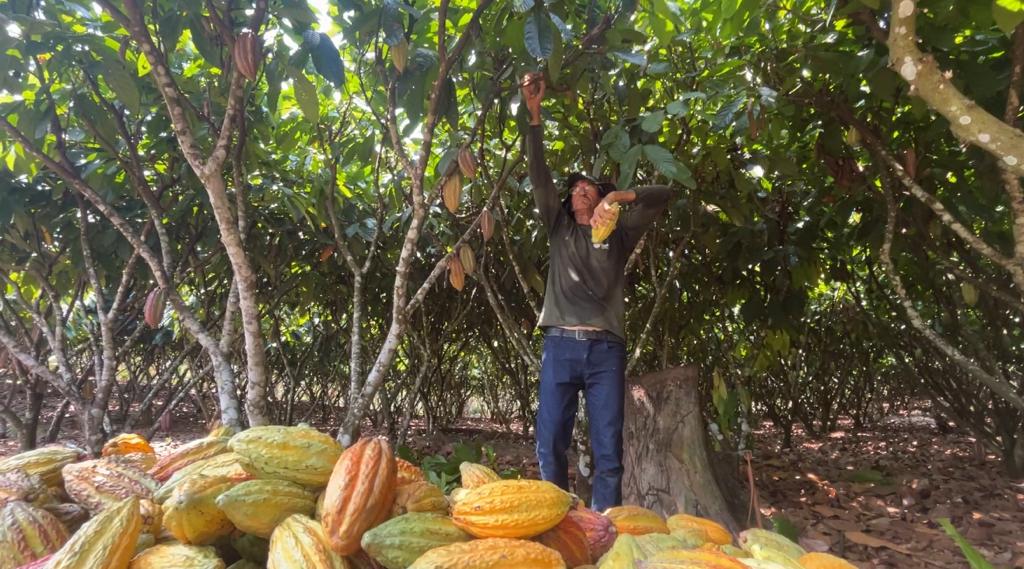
584	344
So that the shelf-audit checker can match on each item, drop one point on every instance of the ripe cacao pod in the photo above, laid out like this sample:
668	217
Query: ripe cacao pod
177	555
511	508
692	559
398	542
246	55
107	540
635	520
709	530
600	530
226	464
191	514
20	485
457	494
468	258
474	475
400	55
419	496
257	506
359	494
492	553
408	472
300	542
456	275
127	443
569	540
599	233
95	484
153	311
824	561
29	532
486	224
138	460
187	454
452	192
467	163
302	455
45	462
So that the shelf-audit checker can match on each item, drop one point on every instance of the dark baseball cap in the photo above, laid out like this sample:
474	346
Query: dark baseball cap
603	188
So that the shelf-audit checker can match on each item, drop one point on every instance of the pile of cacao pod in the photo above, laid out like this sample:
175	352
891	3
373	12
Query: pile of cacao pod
292	498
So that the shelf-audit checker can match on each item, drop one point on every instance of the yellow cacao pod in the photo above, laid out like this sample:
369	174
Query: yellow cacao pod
302	455
492	553
824	561
468	258
179	556
107	540
635	520
692	559
709	530
511	508
191	514
452	192
127	443
28	533
95	484
189	453
474	475
226	464
299	542
625	553
400	55
257	506
419	497
456	274
599	233
45	462
467	163
457	494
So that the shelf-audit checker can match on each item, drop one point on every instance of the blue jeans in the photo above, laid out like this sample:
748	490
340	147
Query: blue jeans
599	367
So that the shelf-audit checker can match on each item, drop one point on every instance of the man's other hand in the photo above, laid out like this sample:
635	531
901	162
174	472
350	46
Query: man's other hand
604	213
532	88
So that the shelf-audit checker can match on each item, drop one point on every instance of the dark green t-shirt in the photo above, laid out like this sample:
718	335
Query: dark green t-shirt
585	283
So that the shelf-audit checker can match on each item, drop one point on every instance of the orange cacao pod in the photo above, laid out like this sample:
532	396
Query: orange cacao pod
452	192
153	312
408	472
456	275
511	508
824	561
486	224
600	530
569	540
635	520
127	443
359	494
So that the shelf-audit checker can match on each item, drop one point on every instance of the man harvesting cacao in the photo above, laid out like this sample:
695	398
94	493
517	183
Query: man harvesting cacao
584	344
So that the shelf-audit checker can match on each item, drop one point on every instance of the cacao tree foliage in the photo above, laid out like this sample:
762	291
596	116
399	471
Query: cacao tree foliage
781	268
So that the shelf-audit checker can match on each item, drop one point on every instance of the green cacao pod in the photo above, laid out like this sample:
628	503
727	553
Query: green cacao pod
302	455
398	542
257	506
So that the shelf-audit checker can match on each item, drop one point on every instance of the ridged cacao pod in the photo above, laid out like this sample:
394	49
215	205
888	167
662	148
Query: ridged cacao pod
127	443
45	462
18	485
474	475
153	311
451	193
492	553
625	553
187	454
692	559
400	55
302	455
96	484
599	233
246	55
600	530
511	508
456	275
299	543
359	494
709	530
28	532
179	556
467	163
651	543
468	258
419	497
257	506
486	225
635	520
398	542
138	460
227	464
759	541
408	472
251	547
569	540
191	514
824	561
107	540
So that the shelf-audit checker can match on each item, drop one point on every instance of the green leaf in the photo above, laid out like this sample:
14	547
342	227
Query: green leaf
555	61
1008	14
615	142
121	82
522	5
974	559
627	166
201	39
664	162
305	96
537	34
652	122
392	23
327	61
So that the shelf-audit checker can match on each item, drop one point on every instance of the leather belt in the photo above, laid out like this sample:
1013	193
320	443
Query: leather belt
583	334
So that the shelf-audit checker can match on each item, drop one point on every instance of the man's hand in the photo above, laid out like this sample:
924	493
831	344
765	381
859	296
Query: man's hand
604	213
532	88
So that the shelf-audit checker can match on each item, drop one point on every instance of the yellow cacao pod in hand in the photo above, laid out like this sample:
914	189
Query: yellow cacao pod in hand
599	233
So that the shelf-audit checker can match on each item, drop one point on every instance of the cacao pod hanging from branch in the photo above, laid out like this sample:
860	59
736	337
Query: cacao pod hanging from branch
468	258
246	54
467	164
452	192
486	224
154	309
456	274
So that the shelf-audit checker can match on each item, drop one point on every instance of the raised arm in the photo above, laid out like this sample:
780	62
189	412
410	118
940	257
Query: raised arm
545	194
647	203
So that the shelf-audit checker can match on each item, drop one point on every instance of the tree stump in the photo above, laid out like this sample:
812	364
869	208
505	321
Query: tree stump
666	457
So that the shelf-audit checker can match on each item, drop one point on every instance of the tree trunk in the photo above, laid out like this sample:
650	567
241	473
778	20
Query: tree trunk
667	464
